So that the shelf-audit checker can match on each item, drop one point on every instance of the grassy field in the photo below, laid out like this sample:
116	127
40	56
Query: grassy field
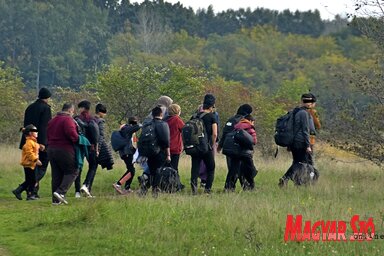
241	223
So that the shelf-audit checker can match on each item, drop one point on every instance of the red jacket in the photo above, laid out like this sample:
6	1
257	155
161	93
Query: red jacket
175	125
62	132
247	125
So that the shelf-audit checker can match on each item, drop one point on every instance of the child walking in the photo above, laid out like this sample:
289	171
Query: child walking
29	160
126	154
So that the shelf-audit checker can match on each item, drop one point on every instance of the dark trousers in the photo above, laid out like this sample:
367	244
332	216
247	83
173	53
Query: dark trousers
92	167
299	155
154	163
41	170
30	180
175	161
64	170
209	161
130	169
241	167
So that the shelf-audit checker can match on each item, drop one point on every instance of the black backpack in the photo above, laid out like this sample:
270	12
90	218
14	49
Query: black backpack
194	136
231	147
147	144
304	174
89	129
230	124
244	139
169	179
284	129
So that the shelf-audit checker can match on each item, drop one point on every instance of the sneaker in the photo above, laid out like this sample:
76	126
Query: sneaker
56	203
77	195
127	191
283	183
118	189
31	197
85	190
203	183
59	197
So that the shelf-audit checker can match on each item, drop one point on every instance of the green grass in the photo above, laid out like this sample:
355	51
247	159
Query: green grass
241	223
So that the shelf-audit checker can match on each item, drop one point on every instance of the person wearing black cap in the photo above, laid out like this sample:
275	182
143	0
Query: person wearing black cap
301	147
29	160
38	114
242	111
210	125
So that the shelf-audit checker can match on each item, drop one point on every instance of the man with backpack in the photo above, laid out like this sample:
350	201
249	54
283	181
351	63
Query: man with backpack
301	122
90	129
242	111
200	145
154	144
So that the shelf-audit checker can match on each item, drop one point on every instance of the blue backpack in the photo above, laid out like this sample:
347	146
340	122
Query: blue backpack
118	141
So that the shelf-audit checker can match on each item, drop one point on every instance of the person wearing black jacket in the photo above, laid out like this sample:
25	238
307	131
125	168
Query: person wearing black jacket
105	158
242	111
126	154
156	161
39	114
301	148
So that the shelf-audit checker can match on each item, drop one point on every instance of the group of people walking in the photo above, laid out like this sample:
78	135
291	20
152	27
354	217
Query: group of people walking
66	140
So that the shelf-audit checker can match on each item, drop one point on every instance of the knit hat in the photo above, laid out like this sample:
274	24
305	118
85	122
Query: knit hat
165	101
308	98
244	110
44	93
209	101
174	109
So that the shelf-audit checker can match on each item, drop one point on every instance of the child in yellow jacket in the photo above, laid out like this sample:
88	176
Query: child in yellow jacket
29	160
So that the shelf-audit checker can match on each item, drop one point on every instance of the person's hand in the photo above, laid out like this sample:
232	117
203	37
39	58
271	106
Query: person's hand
38	162
168	159
309	150
42	147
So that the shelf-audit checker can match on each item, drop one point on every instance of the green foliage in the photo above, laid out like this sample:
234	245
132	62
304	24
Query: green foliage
12	104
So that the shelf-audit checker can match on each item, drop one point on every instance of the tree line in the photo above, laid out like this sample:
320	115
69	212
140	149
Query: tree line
127	54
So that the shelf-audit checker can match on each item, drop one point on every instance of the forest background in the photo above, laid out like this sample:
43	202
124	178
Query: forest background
128	54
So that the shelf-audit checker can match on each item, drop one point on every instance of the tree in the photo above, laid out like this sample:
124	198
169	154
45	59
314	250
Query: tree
12	104
361	118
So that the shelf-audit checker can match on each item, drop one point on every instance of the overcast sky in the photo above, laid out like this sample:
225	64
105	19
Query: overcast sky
328	8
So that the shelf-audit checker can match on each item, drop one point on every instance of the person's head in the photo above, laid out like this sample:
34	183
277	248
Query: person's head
244	110
68	108
44	94
164	101
30	130
174	110
133	120
308	100
209	102
101	110
157	112
84	105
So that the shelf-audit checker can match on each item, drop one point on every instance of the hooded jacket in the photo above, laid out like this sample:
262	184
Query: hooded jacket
30	153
